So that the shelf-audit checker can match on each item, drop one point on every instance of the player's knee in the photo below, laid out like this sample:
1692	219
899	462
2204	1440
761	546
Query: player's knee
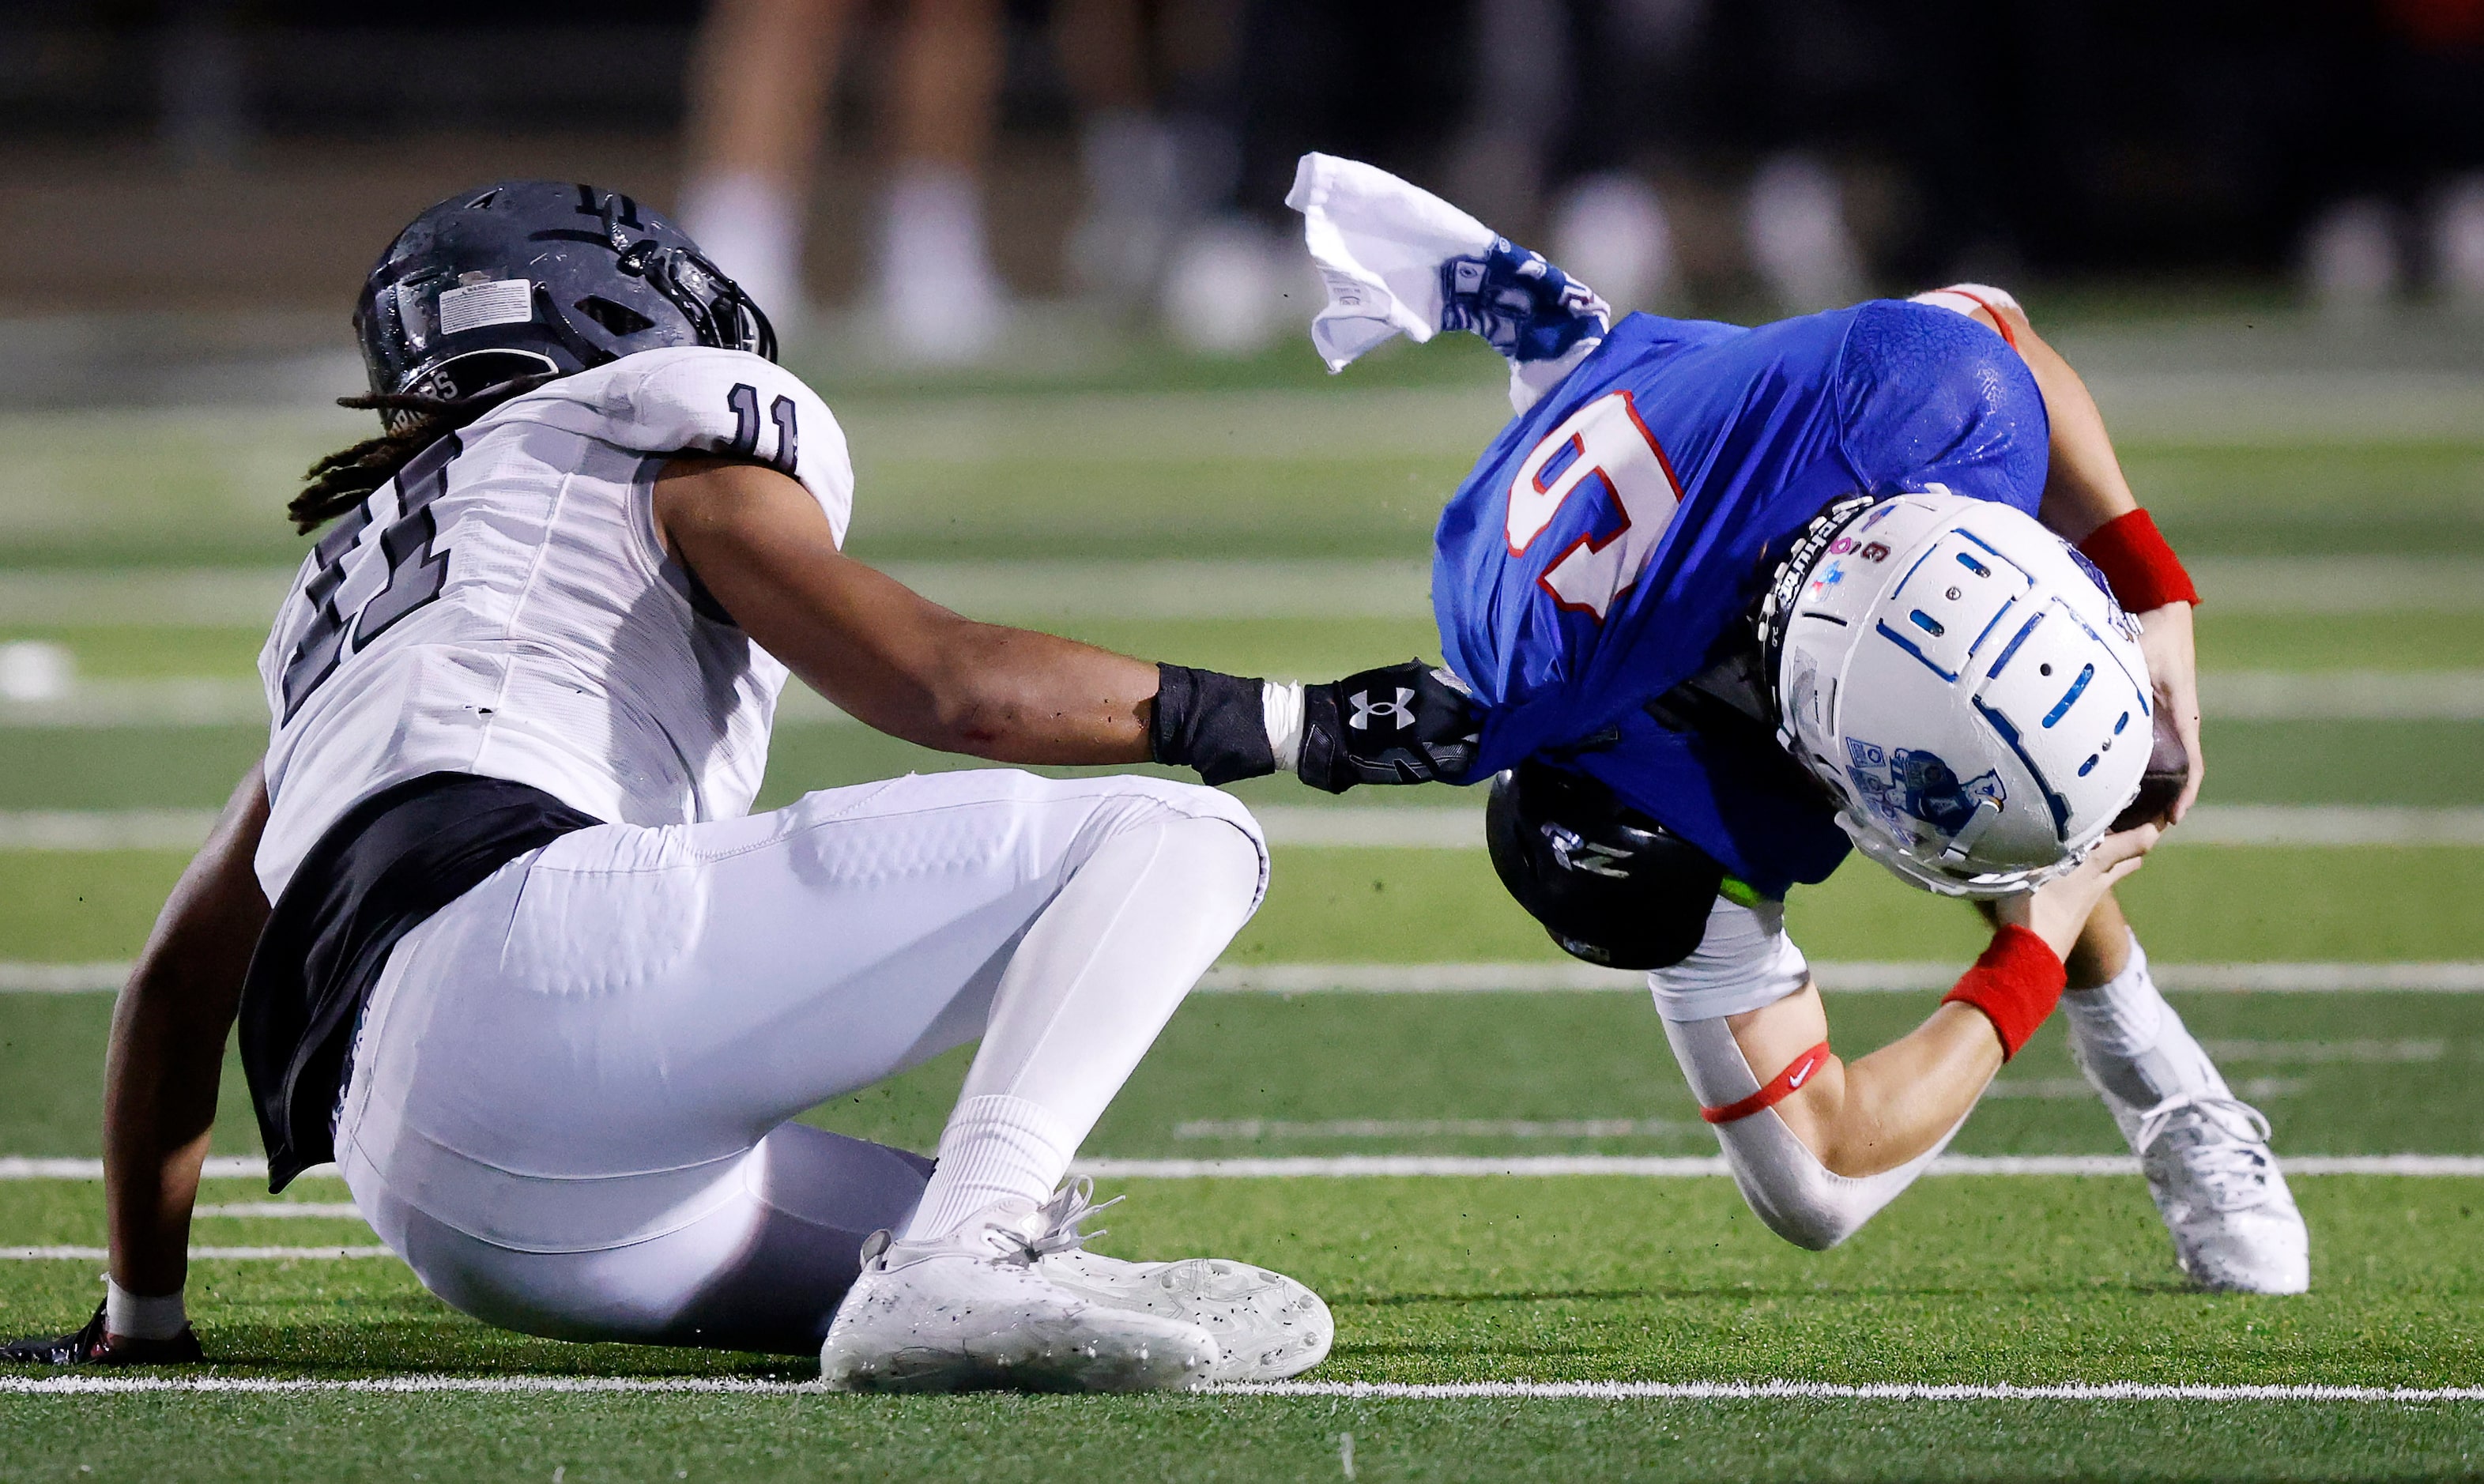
1212	837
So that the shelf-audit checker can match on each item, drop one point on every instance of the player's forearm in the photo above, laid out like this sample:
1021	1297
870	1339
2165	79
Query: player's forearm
166	1056
1900	1100
1014	696
1876	1113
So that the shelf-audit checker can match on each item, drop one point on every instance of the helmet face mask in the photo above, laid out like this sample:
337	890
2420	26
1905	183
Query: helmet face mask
1957	677
540	279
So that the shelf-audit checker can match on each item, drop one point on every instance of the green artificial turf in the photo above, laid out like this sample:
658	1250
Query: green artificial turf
2016	1279
2022	1280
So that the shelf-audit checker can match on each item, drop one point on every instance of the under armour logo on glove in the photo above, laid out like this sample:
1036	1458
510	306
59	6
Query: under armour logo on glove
1526	308
1423	728
1400	713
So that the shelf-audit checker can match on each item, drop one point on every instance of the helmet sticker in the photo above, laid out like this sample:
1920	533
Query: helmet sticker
1904	786
491	301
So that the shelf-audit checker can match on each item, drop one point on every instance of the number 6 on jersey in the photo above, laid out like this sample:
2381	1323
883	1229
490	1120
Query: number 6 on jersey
1603	441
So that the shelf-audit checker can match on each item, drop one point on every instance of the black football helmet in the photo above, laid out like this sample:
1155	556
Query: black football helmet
540	278
1609	884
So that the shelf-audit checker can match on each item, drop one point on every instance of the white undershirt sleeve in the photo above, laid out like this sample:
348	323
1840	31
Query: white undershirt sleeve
1282	703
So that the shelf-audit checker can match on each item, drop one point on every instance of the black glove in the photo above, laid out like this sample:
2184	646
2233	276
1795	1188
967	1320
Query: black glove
1404	724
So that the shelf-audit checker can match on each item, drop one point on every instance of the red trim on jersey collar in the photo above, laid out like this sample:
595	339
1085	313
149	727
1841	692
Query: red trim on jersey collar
1999	321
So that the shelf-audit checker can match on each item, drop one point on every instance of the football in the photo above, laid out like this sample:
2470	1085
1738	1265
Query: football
2169	768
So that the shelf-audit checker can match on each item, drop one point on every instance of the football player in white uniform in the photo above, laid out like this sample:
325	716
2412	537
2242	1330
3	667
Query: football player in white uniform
544	990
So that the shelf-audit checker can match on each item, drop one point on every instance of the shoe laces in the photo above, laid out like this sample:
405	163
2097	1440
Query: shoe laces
1069	1209
2221	1141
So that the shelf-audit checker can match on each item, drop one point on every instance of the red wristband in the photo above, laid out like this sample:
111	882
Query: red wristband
2015	983
1782	1085
2142	570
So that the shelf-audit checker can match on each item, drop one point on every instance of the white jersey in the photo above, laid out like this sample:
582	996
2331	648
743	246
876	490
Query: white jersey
503	608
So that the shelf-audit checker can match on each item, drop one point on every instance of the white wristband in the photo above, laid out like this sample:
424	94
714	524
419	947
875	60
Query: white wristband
1281	704
132	1317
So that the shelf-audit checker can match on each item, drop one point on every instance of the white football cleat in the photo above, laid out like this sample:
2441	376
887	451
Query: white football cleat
1268	1326
2234	1224
969	1312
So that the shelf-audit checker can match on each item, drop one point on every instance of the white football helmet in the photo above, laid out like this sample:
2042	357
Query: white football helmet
1962	681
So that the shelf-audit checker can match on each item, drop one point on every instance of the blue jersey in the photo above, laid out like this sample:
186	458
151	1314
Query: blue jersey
1612	540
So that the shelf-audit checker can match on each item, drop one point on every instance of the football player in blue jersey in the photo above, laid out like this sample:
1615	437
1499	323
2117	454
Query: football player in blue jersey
1733	600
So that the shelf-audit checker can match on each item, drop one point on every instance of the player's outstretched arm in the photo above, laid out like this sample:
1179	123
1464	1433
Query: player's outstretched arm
1880	1110
903	665
159	1096
2088	501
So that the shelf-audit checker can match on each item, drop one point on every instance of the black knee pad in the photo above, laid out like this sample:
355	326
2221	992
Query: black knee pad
1609	884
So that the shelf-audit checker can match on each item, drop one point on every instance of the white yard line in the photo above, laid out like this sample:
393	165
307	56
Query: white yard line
2448	978
2423	1166
1651	1167
1194	589
218	1166
19	977
1317	826
2241	696
2344	695
203	1253
1350	1391
104	830
1837	978
1830	1391
2260	826
1436	1128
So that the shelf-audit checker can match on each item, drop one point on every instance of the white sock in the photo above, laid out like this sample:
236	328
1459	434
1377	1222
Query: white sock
134	1317
1096	978
2125	1034
994	1149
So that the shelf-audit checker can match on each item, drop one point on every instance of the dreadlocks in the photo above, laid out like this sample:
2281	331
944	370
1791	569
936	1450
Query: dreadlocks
414	420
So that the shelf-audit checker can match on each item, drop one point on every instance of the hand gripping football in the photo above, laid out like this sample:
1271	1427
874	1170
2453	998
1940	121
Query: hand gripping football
2169	769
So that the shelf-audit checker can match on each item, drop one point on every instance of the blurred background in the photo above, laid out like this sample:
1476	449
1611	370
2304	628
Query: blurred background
1035	256
1058	183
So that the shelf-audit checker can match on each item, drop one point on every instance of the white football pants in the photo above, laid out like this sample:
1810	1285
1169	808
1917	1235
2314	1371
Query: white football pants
571	1091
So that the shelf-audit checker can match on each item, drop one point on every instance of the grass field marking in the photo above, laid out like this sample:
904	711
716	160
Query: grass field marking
1337	588
1661	1167
23	977
2344	695
418	1384
2280	825
2369	1053
1349	1390
218	1166
1857	977
176	701
1433	1128
1831	1391
1324	827
1861	977
233	1167
279	1210
2241	696
203	1253
104	830
2076	1089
